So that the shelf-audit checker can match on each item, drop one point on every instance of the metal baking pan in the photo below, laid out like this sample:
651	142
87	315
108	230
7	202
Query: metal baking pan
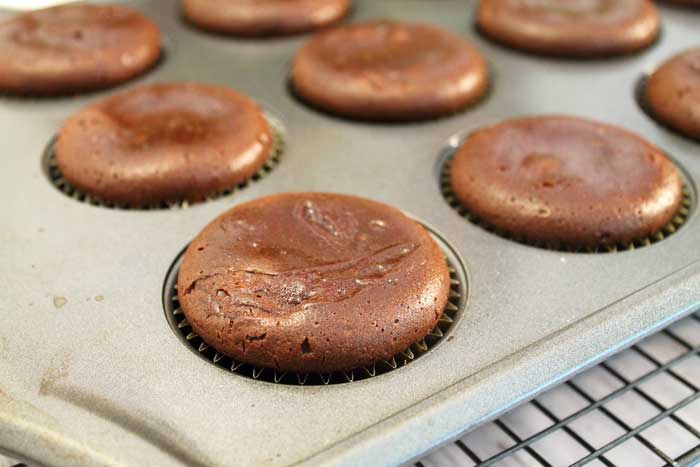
92	374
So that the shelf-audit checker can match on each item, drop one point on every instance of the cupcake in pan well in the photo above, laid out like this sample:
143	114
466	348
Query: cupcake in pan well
572	28
251	18
672	93
164	143
75	47
389	71
566	182
313	282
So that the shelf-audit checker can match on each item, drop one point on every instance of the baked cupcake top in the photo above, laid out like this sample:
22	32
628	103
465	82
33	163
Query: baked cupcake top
566	182
264	17
389	71
576	28
163	143
672	93
312	282
75	47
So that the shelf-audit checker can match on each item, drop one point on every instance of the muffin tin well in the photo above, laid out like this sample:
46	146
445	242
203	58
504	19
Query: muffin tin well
55	177
457	301
688	203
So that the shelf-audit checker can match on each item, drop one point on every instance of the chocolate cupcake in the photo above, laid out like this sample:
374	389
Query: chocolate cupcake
249	18
590	28
313	283
672	93
75	47
164	143
566	182
389	71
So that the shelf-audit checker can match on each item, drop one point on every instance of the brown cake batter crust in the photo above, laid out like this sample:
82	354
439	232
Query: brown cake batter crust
389	71
75	47
164	143
566	181
312	282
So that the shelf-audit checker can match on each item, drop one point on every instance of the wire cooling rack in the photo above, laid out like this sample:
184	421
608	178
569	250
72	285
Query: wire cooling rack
640	408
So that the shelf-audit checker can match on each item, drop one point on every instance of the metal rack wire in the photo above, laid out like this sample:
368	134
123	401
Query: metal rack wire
640	408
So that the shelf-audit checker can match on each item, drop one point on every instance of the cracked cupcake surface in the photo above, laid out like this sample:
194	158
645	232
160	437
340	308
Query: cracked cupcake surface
312	282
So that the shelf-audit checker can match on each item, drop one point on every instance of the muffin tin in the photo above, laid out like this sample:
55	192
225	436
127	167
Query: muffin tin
92	374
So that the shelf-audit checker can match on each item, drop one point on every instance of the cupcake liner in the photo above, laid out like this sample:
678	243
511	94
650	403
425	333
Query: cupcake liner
178	322
58	180
664	232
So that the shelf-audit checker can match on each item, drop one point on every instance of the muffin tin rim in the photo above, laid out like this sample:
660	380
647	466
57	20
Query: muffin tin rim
470	406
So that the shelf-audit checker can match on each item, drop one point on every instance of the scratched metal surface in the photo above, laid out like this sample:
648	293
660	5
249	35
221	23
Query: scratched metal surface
91	373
